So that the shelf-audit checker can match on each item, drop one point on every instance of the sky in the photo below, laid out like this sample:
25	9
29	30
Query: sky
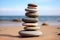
17	7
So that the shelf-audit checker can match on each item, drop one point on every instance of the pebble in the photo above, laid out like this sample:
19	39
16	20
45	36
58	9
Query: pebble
30	33
32	5
30	24
32	15
31	28
30	20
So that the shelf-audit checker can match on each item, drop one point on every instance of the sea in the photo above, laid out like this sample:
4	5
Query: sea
52	20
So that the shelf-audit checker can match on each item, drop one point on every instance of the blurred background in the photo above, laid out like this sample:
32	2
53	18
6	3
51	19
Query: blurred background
49	10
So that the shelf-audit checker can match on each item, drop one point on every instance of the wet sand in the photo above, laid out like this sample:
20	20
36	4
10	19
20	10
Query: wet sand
11	33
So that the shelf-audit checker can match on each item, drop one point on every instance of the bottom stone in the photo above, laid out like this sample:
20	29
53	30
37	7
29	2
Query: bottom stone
30	33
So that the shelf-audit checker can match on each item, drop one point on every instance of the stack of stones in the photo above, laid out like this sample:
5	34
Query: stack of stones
30	22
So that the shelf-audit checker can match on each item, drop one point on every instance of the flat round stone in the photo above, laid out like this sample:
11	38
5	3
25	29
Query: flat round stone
45	23
30	24
32	5
31	28
30	33
31	10
30	20
32	15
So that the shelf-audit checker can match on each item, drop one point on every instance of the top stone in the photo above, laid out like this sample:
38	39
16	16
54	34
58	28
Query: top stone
32	5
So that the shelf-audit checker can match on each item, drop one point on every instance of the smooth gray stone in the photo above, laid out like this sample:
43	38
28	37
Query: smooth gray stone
30	33
31	10
30	20
31	28
32	15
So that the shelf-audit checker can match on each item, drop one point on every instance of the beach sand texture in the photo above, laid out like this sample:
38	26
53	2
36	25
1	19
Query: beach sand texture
11	33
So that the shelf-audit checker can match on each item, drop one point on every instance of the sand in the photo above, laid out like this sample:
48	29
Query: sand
11	33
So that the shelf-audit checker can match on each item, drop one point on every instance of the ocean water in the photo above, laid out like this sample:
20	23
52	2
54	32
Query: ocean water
52	20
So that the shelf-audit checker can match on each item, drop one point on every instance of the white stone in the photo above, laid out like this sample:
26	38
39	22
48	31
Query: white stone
32	10
30	24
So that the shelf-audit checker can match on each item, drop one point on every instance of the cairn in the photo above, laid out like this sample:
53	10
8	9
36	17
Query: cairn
31	26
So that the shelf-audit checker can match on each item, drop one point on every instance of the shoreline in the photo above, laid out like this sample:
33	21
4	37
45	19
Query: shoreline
12	23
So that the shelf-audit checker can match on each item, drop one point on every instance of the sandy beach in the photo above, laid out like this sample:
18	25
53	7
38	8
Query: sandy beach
11	33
